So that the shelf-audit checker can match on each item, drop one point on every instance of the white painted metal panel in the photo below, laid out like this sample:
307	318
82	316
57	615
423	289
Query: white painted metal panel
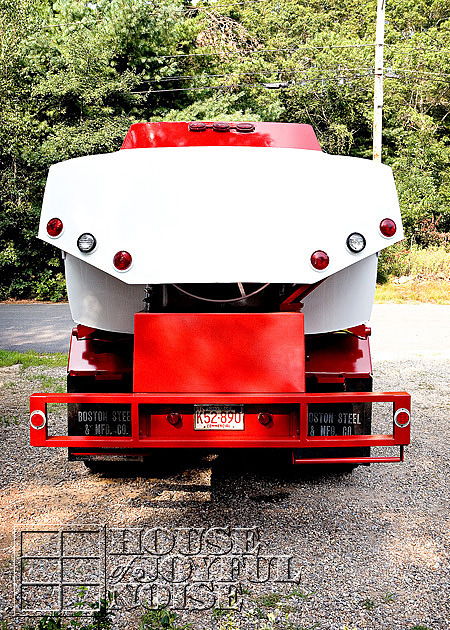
101	301
344	300
220	214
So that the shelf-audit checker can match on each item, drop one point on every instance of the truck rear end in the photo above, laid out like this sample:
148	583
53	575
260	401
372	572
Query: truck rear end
221	276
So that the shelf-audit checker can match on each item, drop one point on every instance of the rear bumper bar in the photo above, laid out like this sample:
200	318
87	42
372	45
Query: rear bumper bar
293	434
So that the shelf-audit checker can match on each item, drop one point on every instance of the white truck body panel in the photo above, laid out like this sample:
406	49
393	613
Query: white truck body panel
99	300
220	214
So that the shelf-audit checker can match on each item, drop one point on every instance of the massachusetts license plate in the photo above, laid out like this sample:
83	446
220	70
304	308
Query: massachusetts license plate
221	418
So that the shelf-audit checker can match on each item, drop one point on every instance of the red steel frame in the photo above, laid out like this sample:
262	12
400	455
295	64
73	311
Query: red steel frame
252	359
178	134
173	439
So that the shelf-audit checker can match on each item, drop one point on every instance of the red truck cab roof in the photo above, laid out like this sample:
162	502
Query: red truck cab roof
201	134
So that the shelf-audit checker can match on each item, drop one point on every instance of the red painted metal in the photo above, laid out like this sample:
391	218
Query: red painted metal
82	332
339	355
289	429
99	357
177	134
348	460
219	352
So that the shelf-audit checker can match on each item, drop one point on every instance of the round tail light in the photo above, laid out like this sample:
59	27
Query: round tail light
86	243
388	228
356	242
54	227
174	418
402	418
122	261
265	418
320	260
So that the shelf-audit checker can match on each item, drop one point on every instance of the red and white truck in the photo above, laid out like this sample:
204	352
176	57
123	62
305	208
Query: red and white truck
221	276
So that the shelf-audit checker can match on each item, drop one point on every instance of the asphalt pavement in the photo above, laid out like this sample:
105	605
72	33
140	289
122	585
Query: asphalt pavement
398	330
40	327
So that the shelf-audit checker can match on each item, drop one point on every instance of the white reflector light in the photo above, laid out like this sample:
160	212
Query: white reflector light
356	242
86	243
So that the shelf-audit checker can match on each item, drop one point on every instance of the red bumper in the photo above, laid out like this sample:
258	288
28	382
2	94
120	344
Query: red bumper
254	361
288	430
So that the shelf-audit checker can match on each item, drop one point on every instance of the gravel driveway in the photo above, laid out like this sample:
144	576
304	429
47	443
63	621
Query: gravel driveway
370	548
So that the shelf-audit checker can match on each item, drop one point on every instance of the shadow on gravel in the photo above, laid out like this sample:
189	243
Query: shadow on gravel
260	476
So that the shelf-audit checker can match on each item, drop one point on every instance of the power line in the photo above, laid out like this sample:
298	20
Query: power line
339	78
279	70
244	85
291	49
254	72
260	50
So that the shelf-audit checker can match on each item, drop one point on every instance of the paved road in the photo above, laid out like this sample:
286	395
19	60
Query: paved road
398	330
40	327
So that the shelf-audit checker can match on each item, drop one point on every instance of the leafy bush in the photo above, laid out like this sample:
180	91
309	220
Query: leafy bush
431	263
49	287
393	261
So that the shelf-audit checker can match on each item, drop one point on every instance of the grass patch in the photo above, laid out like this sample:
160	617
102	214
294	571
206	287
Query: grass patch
32	359
413	290
269	600
430	263
6	421
48	383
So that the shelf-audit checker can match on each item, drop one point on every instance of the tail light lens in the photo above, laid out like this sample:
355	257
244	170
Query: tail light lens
356	242
221	126
86	243
174	419
54	227
320	260
265	418
388	227
402	418
122	261
245	127
197	126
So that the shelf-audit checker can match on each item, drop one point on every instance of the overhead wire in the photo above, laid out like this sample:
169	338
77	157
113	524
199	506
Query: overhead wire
389	73
254	72
291	49
285	71
344	78
244	85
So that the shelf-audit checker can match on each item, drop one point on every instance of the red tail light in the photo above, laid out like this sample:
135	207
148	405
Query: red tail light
402	418
54	227
197	126
320	260
265	418
174	418
245	127
122	261
221	126
388	227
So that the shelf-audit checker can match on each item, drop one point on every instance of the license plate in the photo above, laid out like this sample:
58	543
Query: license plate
212	418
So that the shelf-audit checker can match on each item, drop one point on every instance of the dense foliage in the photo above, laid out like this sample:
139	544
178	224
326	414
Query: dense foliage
75	73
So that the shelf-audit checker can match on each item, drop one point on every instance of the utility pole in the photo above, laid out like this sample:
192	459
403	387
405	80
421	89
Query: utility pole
378	84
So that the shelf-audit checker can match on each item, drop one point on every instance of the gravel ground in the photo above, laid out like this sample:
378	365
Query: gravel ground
372	545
